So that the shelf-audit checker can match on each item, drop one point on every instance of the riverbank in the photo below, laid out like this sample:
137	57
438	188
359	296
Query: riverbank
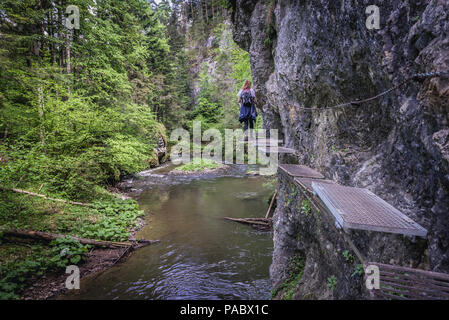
32	269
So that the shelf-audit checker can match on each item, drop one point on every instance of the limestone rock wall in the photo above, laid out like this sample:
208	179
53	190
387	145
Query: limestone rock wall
319	53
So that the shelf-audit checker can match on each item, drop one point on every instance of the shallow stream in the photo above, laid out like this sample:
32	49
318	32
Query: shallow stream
201	255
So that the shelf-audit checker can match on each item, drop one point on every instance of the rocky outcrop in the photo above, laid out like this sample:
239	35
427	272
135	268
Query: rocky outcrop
320	53
160	151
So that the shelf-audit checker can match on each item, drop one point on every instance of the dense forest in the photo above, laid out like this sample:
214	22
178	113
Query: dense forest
82	107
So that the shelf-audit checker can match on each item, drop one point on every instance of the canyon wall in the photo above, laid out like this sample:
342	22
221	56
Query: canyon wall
320	53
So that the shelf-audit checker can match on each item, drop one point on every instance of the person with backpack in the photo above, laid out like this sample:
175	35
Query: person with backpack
247	99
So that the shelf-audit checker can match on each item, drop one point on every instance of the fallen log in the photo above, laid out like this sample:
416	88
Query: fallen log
250	221
52	236
258	219
48	198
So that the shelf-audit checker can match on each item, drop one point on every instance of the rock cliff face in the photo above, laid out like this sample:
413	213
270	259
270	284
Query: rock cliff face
320	53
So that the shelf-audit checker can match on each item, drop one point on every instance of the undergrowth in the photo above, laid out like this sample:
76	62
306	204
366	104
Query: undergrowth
288	287
199	165
34	261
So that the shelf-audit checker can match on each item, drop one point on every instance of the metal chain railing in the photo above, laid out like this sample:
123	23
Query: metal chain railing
416	76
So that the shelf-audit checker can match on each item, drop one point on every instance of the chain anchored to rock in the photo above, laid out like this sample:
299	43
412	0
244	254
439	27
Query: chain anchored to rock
416	76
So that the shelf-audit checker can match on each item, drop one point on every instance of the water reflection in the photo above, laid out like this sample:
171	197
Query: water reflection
201	256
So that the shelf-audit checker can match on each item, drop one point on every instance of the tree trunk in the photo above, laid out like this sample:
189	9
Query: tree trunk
60	25
67	54
48	198
46	236
5	134
40	98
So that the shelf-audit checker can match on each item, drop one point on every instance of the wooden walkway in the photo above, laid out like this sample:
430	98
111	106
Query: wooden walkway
273	149
296	170
271	146
353	208
402	283
360	209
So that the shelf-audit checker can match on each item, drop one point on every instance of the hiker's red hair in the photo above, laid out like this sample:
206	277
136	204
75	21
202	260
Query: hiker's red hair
246	85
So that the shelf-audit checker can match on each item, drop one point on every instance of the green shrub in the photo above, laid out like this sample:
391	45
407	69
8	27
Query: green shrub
305	207
66	251
199	165
348	256
358	271
332	282
16	274
116	219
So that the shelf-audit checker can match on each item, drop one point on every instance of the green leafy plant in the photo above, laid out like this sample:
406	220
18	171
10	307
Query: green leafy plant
348	256
115	220
14	275
297	265
332	282
199	165
67	251
358	271
305	207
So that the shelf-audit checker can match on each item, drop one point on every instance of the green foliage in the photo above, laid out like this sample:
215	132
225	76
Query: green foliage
332	282
16	274
67	251
270	184
349	257
79	123
270	31
114	220
199	165
288	287
358	271
110	219
305	207
217	105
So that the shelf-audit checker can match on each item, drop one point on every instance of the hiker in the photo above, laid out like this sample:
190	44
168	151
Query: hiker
247	99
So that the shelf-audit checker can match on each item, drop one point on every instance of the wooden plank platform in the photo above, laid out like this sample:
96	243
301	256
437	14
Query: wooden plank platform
296	170
357	208
403	283
263	140
267	149
306	183
268	143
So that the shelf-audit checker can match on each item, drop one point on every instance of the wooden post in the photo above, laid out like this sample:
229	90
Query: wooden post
271	204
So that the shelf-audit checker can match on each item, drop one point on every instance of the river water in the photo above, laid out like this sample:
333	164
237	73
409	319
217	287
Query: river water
200	256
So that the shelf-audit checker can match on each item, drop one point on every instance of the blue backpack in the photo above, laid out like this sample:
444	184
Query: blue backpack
247	98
